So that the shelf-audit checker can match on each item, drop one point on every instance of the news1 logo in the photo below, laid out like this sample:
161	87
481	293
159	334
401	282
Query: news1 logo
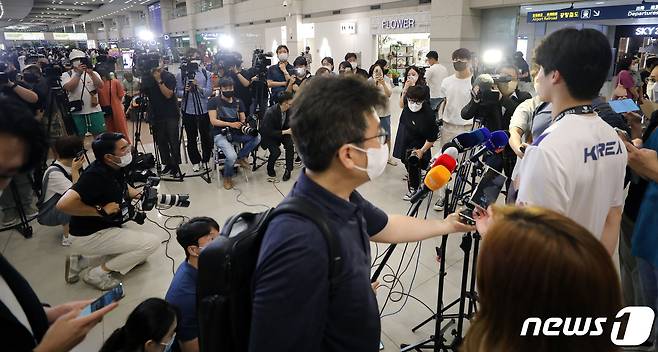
631	326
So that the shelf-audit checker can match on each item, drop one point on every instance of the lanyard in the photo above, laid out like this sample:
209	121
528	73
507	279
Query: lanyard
578	110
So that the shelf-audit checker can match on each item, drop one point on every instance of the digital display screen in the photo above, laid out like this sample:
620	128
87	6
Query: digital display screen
488	190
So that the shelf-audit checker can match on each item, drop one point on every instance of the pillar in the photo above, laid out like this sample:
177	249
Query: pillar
294	28
191	7
454	25
107	25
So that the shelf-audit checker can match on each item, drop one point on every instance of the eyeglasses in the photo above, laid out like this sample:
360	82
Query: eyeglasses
381	137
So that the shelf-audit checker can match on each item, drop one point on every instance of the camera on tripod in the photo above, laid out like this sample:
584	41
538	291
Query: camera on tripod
188	69
150	196
227	59
260	60
144	64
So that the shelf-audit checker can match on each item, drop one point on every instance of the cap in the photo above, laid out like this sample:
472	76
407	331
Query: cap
76	54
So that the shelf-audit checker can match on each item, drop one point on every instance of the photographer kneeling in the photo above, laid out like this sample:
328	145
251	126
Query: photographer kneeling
227	115
276	131
99	205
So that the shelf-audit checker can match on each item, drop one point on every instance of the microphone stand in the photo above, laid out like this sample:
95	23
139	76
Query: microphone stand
437	341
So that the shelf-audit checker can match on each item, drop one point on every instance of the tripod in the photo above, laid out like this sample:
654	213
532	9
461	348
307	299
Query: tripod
257	110
198	109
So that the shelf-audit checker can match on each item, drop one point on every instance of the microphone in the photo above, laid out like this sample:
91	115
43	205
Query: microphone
450	151
496	144
435	179
468	140
445	160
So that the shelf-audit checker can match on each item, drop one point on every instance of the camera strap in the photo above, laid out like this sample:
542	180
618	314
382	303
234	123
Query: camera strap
577	110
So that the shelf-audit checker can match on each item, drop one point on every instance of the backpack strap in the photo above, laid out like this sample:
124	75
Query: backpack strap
44	182
205	73
302	207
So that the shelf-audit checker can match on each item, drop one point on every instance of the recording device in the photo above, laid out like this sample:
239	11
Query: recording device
188	69
85	61
227	59
488	189
623	134
468	140
621	106
495	144
105	300
436	178
260	60
144	64
53	71
248	130
500	78
150	196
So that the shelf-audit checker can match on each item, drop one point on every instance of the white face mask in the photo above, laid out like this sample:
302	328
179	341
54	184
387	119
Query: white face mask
198	62
75	63
283	57
354	65
328	67
170	344
414	106
125	160
376	163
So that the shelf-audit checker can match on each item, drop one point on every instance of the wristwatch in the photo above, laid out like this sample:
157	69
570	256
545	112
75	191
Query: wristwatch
101	211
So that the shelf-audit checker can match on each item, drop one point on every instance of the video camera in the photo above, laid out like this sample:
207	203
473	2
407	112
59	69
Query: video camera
144	64
3	75
226	59
188	69
260	60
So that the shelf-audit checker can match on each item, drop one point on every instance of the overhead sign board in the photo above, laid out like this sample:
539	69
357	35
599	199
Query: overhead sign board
595	13
418	22
24	36
70	36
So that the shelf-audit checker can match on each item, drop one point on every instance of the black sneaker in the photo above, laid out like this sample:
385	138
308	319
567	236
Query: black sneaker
166	170
176	173
407	197
271	177
438	206
286	175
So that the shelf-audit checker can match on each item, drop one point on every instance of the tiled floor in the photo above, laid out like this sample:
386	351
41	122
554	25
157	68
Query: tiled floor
41	258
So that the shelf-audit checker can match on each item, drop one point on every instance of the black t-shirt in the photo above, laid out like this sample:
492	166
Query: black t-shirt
99	184
243	93
522	65
226	111
10	92
161	107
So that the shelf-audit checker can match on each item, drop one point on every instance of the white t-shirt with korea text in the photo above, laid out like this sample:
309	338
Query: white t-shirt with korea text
577	168
457	93
86	96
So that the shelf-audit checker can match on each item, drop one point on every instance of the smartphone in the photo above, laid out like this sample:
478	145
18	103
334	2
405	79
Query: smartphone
488	189
621	106
623	134
466	217
79	154
106	299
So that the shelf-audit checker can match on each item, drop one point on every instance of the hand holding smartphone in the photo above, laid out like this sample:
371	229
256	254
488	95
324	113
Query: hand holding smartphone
106	299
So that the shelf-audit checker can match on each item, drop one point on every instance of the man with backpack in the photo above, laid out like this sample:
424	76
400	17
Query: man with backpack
301	301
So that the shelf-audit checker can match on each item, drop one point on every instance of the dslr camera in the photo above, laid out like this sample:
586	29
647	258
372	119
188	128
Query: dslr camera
150	196
260	60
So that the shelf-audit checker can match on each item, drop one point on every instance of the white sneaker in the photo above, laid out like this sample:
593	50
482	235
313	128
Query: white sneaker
67	241
196	167
407	197
438	206
392	162
103	282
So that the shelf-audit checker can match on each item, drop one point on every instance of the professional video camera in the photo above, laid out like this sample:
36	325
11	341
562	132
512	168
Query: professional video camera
226	59
105	64
188	69
144	64
260	60
3	75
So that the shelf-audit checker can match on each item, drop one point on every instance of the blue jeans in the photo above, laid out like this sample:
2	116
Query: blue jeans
249	143
649	284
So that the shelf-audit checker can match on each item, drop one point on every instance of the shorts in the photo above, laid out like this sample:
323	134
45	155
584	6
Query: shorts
93	123
385	123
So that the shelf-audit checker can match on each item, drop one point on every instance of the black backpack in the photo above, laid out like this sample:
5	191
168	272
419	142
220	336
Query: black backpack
226	269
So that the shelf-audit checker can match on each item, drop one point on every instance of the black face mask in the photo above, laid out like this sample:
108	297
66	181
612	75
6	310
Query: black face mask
460	66
228	94
30	77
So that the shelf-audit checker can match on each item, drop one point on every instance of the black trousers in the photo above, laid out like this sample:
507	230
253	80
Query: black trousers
198	125
414	170
167	136
275	153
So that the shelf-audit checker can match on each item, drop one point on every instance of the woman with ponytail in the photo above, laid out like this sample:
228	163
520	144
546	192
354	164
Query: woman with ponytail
150	327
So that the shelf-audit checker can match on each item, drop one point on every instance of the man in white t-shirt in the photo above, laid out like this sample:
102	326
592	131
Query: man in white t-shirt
456	93
577	166
82	84
434	76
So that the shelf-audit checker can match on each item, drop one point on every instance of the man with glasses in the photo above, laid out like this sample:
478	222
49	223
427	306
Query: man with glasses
99	214
339	138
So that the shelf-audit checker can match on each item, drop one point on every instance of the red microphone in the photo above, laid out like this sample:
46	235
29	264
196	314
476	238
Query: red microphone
446	160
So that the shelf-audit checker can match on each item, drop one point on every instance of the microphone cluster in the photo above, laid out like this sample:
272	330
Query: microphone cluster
444	164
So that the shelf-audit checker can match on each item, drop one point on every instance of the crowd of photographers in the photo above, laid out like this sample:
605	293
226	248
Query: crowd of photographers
560	250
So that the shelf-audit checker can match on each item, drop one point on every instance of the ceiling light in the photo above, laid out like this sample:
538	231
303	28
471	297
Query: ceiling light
600	2
528	8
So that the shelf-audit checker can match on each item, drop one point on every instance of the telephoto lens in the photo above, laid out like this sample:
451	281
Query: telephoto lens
175	200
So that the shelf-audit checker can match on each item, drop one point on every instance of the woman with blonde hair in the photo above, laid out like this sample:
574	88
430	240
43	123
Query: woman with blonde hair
535	262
